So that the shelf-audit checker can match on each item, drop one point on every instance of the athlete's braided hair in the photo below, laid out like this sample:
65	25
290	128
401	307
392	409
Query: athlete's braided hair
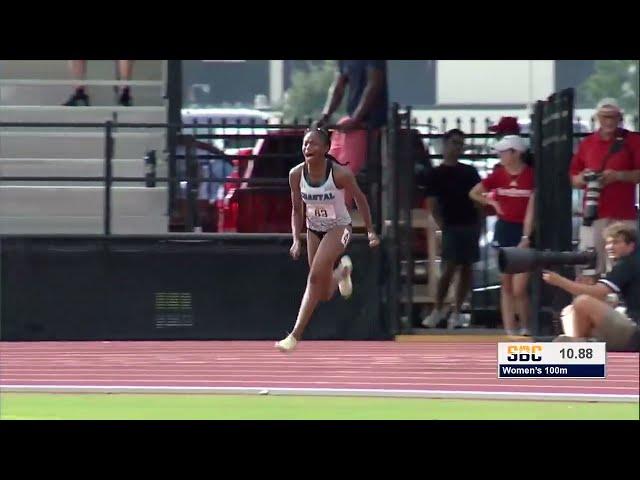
326	137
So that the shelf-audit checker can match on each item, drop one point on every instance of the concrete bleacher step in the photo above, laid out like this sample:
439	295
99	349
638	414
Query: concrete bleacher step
19	201
120	224
96	69
56	95
49	82
60	114
32	91
78	144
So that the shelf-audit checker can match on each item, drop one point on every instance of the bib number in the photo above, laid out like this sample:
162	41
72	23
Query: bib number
321	211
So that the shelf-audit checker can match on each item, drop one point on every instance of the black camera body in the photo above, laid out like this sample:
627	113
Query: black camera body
519	260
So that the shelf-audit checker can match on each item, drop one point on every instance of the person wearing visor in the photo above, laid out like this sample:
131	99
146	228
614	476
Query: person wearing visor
513	192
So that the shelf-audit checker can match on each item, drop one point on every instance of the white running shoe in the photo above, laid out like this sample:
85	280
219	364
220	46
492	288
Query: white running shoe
524	332
344	284
287	345
434	318
455	320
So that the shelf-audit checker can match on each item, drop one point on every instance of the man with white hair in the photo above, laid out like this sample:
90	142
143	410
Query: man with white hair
607	166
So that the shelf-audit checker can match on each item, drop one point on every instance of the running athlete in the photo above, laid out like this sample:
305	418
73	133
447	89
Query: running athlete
318	187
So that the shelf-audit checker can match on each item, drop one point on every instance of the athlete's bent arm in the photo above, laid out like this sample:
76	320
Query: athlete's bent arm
347	181
297	206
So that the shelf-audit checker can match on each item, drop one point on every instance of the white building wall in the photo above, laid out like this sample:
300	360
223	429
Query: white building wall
494	81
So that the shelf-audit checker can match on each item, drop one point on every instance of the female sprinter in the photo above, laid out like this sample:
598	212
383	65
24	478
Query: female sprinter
318	187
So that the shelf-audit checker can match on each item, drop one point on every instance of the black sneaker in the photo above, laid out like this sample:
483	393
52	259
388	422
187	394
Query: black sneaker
77	99
125	98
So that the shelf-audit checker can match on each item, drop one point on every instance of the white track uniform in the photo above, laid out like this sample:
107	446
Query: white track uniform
324	205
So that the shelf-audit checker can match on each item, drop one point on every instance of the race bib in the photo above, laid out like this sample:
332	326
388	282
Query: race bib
321	211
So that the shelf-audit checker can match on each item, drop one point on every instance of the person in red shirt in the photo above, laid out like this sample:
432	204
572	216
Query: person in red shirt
620	173
506	126
512	190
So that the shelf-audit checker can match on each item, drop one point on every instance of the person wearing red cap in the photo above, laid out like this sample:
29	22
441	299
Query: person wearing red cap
506	126
514	186
614	154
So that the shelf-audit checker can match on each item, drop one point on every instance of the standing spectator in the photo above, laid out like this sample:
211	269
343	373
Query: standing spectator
79	71
506	126
458	218
615	153
510	126
513	201
367	104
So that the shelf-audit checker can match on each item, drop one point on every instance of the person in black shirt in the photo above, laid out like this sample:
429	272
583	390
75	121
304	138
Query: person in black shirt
458	218
592	316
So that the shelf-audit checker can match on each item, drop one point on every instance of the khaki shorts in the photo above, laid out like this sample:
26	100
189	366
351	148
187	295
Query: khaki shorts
616	330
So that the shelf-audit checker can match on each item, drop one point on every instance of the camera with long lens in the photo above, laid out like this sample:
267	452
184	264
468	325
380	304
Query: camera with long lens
592	196
518	260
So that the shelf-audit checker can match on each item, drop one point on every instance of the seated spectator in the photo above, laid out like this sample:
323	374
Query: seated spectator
593	317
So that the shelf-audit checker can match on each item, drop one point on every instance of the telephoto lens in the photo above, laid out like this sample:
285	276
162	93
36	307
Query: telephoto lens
592	196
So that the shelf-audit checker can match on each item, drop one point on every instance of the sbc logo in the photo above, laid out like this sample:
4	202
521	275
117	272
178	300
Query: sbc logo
524	353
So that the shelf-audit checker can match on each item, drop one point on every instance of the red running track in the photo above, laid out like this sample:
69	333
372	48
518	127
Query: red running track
379	368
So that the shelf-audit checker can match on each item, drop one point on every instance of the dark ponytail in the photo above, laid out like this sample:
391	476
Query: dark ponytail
331	158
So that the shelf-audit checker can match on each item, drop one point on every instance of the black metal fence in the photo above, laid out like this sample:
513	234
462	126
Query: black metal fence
413	149
188	157
553	148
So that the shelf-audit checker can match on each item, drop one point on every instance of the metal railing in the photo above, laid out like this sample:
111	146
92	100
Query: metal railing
190	158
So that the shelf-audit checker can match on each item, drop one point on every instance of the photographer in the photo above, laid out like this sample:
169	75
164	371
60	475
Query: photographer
592	316
607	166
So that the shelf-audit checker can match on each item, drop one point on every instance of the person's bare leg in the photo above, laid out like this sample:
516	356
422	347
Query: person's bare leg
313	242
507	303
444	283
319	283
320	279
521	298
125	70
589	312
78	70
464	283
